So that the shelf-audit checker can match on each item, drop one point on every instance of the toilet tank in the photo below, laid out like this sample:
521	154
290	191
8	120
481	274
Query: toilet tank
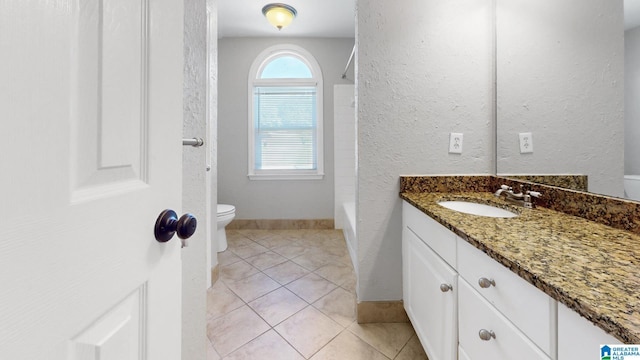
632	187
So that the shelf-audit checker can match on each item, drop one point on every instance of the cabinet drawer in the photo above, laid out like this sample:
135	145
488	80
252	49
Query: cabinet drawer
439	238
531	310
476	314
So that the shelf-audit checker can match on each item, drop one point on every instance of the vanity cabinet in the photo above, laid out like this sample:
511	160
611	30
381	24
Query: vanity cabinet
465	305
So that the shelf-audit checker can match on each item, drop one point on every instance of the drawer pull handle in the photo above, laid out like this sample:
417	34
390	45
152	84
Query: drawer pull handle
485	283
445	287
486	335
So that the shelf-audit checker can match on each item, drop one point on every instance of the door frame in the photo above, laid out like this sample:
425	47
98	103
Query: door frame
199	169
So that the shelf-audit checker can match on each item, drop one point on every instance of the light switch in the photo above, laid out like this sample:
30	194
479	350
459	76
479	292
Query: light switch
455	143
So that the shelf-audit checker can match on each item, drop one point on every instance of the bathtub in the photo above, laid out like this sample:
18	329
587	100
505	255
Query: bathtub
349	231
632	187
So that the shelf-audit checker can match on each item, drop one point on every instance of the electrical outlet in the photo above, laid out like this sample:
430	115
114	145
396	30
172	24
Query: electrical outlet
455	143
526	143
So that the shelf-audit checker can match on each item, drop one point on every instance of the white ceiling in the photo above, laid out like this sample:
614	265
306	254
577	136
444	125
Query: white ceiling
316	18
319	18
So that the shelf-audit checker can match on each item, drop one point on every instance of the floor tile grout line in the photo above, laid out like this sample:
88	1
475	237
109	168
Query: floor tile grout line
241	346
308	304
287	341
403	346
365	341
263	271
283	285
296	295
347	330
329	342
338	284
285	319
256	313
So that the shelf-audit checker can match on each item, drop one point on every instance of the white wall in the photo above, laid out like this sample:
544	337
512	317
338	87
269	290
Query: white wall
309	199
424	69
197	182
632	101
560	76
344	134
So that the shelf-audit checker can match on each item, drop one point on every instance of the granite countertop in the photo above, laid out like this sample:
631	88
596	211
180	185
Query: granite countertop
590	267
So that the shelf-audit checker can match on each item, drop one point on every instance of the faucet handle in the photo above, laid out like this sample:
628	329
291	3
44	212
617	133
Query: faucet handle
535	194
505	187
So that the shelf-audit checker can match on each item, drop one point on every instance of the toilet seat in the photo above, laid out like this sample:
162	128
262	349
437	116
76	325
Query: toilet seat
224	209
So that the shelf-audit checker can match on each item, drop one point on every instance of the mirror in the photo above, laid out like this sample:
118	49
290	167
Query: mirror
560	74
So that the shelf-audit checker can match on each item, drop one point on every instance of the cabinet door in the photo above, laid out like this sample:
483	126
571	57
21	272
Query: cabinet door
578	338
433	312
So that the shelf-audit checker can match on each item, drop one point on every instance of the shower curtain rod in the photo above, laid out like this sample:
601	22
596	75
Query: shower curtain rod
344	74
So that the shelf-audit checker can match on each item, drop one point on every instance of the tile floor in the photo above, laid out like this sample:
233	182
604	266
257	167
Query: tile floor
289	295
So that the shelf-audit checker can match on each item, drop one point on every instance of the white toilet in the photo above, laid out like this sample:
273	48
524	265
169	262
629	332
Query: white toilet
632	187
226	213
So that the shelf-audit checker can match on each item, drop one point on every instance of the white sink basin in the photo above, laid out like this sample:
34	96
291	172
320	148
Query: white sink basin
477	209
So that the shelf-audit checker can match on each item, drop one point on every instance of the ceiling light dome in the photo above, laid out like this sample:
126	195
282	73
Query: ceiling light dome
279	15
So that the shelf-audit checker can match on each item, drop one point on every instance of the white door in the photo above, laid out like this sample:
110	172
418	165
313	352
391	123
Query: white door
90	154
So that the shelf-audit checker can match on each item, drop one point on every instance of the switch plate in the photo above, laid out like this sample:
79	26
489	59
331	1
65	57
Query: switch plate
455	143
526	143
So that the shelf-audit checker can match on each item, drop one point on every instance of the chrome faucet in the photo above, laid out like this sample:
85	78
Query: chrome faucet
524	199
503	188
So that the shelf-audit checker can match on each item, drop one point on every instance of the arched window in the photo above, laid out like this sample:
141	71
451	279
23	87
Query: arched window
285	115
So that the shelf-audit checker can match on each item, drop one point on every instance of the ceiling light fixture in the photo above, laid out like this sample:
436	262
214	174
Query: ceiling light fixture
279	15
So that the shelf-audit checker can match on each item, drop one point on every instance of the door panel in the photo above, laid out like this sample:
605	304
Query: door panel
90	152
113	336
110	96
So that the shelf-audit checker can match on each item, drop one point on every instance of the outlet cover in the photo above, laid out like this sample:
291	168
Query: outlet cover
455	143
526	143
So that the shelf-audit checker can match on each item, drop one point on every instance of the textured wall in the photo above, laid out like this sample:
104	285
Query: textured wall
196	182
260	199
631	101
212	131
424	69
560	76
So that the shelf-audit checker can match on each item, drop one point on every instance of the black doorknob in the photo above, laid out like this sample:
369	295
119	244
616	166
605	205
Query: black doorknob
168	224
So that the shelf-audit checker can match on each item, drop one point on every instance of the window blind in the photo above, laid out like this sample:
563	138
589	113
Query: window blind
285	127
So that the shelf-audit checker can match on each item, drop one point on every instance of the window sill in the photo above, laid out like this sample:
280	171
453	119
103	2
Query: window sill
286	176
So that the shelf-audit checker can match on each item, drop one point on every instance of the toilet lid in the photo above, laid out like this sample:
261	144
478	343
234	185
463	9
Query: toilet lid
224	209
